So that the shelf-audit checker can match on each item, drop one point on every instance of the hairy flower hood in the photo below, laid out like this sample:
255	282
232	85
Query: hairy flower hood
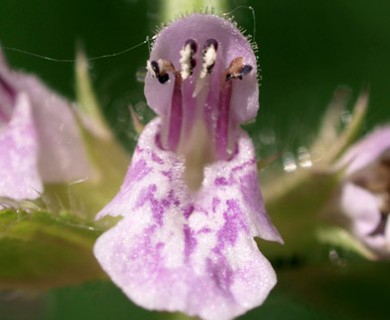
190	202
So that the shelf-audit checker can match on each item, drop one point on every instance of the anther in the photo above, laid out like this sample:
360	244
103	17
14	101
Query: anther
160	69
187	60
238	69
209	57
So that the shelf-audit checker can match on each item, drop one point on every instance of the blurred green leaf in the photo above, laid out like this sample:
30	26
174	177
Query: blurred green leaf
40	250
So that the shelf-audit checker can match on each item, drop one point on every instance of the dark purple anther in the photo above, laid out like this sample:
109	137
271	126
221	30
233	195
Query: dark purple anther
210	43
194	48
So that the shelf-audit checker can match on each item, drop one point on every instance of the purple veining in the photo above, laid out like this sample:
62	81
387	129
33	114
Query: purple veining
168	174
221	181
189	241
139	170
194	238
156	158
233	223
244	165
221	274
147	195
188	211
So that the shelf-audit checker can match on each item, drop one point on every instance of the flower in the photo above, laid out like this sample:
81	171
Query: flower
39	138
365	196
190	202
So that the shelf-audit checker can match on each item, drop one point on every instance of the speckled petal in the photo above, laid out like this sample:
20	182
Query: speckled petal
19	177
192	252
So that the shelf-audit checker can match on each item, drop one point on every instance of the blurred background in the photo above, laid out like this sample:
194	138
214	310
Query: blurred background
307	49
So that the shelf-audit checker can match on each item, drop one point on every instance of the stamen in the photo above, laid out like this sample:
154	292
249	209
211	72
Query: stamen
187	60
236	70
172	131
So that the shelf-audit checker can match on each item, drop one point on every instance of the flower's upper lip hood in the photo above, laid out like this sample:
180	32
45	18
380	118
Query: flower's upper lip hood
232	44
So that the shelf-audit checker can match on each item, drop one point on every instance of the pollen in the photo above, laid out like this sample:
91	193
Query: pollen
209	57
187	60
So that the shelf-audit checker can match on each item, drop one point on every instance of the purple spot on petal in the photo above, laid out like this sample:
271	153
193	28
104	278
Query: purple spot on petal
167	174
139	170
221	181
188	211
147	195
221	273
244	165
233	223
156	158
165	202
138	149
189	241
204	230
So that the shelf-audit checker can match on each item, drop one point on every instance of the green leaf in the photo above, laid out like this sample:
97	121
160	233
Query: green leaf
353	289
40	250
294	203
339	237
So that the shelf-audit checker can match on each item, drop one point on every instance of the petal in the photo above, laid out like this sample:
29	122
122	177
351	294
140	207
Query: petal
361	207
192	252
231	44
366	150
19	177
365	190
62	156
362	210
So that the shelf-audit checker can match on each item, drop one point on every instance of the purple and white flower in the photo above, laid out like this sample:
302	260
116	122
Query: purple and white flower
39	138
190	202
365	196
